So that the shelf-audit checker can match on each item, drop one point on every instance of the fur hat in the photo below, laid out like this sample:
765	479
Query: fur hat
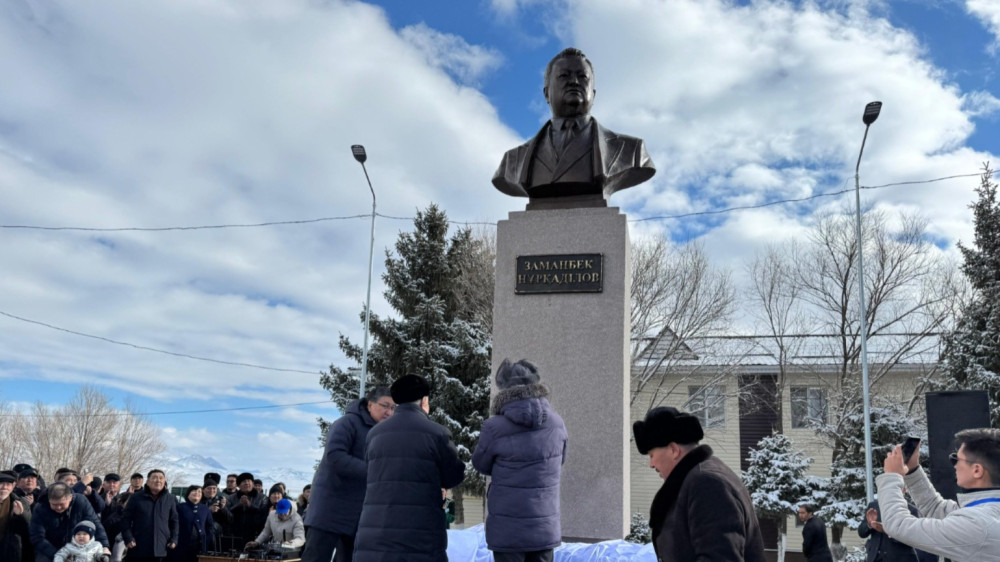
212	479
515	374
86	527
243	476
409	388
665	425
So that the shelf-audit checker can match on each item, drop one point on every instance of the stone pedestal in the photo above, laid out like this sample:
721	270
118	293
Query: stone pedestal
579	341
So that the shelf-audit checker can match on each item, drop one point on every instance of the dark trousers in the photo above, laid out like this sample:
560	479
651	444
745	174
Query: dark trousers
537	556
324	546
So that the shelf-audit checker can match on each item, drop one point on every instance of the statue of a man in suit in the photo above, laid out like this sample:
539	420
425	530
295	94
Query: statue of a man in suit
573	161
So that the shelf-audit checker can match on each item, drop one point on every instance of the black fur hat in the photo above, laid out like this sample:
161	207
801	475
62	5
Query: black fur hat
409	388
666	425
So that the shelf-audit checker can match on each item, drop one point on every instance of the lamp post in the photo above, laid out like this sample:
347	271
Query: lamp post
359	154
871	114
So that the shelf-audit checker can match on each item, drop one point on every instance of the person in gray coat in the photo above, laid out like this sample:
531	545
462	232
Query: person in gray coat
522	446
410	459
338	489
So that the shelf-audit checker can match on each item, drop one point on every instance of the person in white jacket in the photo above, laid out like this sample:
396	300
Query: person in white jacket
83	547
283	525
967	530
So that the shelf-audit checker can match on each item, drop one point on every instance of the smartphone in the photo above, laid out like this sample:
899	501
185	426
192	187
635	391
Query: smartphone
909	446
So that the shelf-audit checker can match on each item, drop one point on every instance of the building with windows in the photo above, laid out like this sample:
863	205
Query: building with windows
741	392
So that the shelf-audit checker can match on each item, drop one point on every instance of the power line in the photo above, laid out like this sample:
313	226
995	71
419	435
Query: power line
145	348
469	223
169	413
168	228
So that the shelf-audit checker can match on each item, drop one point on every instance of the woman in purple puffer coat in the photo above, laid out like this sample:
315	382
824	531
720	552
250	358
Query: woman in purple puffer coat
522	446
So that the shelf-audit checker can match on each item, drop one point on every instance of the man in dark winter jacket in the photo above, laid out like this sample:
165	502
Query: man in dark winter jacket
27	485
222	519
248	508
111	515
149	525
15	545
55	516
702	511
523	447
410	459
338	490
814	544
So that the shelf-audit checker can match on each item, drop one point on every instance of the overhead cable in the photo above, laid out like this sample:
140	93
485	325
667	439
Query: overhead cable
165	352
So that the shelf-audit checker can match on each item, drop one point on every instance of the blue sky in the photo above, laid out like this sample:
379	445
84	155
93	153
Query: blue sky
172	113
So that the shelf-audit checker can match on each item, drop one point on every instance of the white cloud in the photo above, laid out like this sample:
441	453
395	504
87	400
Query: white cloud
981	104
988	12
451	53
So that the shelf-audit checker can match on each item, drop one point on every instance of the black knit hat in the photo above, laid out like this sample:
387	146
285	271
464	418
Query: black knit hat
86	527
409	388
276	488
664	426
517	374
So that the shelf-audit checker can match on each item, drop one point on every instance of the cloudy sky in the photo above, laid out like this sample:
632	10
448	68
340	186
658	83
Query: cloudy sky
118	116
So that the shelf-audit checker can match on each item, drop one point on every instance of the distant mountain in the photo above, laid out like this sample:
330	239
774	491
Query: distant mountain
191	469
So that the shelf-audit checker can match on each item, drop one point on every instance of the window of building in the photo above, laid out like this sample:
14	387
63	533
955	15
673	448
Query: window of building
808	406
708	404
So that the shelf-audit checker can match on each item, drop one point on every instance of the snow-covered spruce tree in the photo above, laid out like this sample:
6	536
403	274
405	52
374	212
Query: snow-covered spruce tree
846	501
972	349
777	482
432	334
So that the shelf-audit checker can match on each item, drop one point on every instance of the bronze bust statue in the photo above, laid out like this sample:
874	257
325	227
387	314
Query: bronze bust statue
573	161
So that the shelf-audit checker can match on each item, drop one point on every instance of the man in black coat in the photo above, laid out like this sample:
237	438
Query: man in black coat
814	545
149	525
338	490
55	516
248	508
702	511
410	460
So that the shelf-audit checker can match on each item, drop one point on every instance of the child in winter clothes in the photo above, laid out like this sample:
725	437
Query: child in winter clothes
83	547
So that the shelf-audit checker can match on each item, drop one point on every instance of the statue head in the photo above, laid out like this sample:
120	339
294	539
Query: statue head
569	84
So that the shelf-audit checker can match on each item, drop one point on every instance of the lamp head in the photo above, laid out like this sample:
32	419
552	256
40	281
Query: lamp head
359	151
871	112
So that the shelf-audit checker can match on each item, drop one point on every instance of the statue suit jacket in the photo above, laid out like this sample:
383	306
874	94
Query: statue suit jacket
618	162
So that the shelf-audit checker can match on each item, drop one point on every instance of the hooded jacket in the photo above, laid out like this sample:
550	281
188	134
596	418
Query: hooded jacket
523	447
90	552
967	530
338	488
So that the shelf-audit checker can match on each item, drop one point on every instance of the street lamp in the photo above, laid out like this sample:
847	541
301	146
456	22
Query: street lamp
359	154
871	114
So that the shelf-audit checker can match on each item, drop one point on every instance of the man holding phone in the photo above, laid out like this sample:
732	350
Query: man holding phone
963	530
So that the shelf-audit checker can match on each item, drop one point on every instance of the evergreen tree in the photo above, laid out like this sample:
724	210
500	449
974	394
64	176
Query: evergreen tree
433	334
972	349
845	500
777	482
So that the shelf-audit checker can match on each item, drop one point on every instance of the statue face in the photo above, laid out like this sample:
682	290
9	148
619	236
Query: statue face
570	90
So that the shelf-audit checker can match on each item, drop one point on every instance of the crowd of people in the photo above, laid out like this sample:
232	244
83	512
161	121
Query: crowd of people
86	518
380	495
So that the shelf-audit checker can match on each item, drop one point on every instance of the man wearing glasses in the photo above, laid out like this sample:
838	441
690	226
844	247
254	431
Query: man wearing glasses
963	530
338	488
